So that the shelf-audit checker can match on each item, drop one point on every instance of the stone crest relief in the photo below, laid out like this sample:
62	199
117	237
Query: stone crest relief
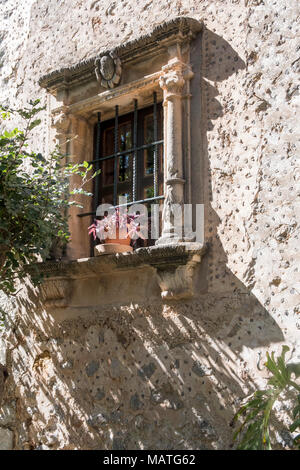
108	70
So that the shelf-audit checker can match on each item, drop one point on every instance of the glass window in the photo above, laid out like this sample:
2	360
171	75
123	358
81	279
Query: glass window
130	157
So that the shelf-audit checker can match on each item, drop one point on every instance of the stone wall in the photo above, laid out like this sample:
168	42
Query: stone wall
142	373
134	372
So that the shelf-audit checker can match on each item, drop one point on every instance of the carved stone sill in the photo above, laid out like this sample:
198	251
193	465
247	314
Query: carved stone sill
173	266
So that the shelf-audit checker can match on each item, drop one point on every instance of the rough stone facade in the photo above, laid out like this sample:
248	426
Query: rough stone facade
137	372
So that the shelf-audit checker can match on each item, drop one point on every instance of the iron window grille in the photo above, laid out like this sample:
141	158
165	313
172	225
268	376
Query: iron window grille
128	150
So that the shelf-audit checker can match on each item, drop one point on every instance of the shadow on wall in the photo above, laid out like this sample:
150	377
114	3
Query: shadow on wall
151	376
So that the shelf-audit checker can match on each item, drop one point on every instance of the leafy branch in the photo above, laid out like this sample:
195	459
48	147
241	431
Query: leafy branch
254	432
35	195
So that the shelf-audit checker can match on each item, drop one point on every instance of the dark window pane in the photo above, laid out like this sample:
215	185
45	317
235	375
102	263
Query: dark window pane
108	142
124	169
124	163
108	172
148	139
149	192
125	136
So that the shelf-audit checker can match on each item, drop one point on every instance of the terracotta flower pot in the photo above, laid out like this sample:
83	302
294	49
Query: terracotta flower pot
120	241
114	245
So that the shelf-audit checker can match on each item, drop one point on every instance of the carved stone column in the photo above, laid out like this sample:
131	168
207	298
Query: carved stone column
173	82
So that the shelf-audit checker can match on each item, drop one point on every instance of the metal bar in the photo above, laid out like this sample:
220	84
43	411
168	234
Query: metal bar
97	180
125	152
134	163
116	136
149	199
155	169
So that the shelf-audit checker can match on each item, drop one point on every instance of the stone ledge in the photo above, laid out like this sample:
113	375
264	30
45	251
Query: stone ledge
173	266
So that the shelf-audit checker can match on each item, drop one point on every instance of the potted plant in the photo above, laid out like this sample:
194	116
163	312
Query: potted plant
116	232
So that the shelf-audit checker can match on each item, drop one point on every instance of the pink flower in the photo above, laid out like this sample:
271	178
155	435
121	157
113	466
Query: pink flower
123	222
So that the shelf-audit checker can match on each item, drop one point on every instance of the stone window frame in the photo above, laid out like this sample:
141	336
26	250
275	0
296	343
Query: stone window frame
157	62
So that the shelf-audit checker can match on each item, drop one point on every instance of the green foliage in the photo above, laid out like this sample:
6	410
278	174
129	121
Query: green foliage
34	199
254	432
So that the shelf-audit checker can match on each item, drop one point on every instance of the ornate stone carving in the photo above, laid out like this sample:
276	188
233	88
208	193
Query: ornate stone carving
173	80
173	266
60	119
152	43
108	70
56	292
176	282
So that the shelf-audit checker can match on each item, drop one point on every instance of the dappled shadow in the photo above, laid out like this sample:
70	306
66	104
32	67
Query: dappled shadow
160	376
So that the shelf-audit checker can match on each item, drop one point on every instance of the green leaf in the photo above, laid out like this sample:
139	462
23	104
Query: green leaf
34	211
295	425
254	432
34	124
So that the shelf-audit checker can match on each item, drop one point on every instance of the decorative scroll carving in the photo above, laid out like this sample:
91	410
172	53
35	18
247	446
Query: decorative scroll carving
60	120
172	82
176	282
108	70
56	292
173	78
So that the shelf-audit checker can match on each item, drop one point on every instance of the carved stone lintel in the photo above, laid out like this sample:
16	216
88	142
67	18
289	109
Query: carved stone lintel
176	282
179	29
56	292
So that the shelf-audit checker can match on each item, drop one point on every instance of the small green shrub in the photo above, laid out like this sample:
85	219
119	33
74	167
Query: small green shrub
35	195
254	432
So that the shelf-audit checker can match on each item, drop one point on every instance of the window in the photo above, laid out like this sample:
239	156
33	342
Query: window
128	150
124	88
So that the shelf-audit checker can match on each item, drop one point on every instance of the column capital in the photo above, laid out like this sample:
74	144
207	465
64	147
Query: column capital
174	75
61	119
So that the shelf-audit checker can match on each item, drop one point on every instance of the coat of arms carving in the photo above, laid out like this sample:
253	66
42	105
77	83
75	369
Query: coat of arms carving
108	70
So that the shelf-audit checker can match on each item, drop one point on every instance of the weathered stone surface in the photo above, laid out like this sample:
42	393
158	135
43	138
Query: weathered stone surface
135	402
200	369
97	420
147	371
6	439
2	378
206	429
68	364
166	397
100	395
92	368
7	414
118	444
